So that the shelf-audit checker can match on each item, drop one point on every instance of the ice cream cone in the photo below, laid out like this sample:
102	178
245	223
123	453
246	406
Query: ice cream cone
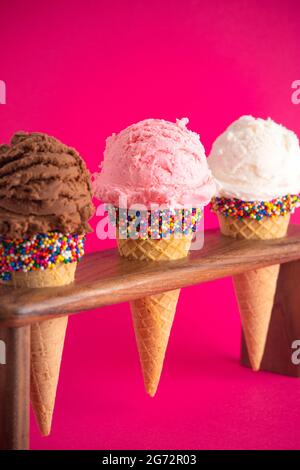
45	205
153	316
255	290
256	166
47	342
156	179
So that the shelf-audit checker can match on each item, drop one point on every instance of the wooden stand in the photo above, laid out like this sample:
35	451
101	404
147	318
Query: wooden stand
15	388
104	278
284	327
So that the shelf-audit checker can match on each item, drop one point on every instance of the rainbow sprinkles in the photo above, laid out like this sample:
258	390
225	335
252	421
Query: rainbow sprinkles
41	251
239	209
155	224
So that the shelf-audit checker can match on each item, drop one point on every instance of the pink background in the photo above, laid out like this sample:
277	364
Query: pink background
81	70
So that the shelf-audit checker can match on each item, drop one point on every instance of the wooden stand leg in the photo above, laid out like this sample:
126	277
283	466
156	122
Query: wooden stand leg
284	327
14	388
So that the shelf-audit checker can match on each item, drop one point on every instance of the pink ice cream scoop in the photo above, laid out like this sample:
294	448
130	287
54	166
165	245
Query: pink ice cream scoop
155	162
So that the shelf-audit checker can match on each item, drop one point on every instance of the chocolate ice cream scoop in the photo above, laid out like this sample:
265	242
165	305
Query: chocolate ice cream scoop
44	186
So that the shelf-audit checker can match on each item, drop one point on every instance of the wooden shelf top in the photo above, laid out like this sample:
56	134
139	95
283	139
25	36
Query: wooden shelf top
104	278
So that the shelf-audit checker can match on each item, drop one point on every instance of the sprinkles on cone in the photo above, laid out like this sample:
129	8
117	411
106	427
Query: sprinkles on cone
41	251
155	224
239	209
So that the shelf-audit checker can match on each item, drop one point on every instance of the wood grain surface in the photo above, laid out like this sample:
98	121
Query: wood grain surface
284	328
105	278
15	389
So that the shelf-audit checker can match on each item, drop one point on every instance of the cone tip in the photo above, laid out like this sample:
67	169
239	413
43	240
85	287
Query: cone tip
151	390
45	429
44	423
255	364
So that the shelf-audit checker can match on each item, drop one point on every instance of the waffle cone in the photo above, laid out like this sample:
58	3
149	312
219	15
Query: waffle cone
153	316
47	342
255	290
